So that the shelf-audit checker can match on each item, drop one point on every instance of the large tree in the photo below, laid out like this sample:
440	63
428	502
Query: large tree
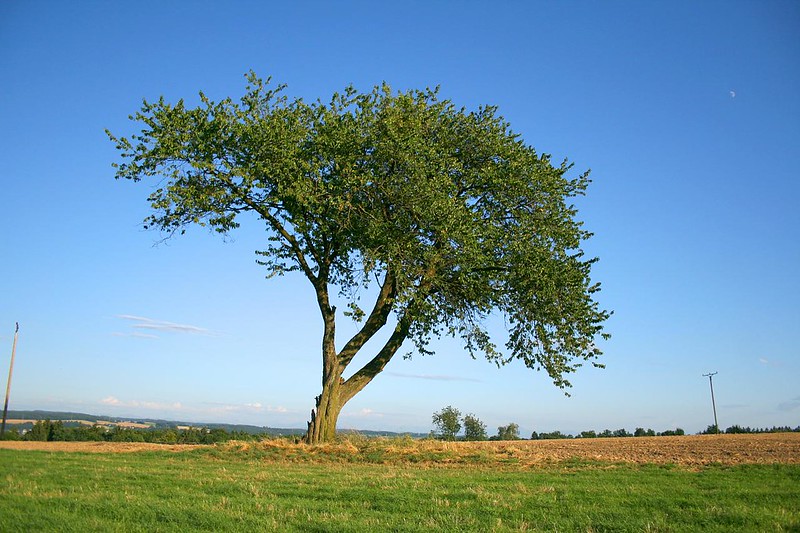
446	214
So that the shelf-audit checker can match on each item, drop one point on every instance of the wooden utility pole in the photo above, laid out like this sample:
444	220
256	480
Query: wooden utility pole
8	385
713	404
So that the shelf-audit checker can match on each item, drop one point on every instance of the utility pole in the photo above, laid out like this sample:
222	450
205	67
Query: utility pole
713	405
8	385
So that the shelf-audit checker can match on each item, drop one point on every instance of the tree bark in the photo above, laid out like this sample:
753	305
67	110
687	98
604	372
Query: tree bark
322	426
336	392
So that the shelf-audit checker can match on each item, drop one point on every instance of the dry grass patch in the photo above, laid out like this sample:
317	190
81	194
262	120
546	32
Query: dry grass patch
697	450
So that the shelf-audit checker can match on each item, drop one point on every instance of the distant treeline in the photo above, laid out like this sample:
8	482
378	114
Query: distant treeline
47	430
641	432
739	429
607	433
57	430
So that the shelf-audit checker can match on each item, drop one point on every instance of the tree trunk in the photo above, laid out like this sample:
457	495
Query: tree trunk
322	426
336	392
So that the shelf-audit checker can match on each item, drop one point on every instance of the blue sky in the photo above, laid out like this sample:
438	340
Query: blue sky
687	113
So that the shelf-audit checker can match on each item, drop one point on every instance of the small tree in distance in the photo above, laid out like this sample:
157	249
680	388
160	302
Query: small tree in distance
509	432
474	429
447	422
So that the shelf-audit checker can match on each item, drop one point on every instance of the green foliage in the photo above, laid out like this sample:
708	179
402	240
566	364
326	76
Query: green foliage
553	435
447	422
509	432
46	430
775	429
474	428
449	212
12	434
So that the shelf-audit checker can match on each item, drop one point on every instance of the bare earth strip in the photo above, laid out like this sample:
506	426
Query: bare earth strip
686	450
134	425
98	447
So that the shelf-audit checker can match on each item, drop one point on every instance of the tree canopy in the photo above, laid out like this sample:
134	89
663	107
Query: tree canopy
474	428
447	422
447	213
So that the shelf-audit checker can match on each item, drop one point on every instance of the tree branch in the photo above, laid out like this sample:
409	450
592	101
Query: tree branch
376	320
276	225
361	379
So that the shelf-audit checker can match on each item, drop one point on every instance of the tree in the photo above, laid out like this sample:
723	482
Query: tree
553	435
474	428
46	430
447	421
447	215
509	432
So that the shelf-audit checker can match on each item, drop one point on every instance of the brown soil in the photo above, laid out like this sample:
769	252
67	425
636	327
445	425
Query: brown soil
97	447
692	450
685	450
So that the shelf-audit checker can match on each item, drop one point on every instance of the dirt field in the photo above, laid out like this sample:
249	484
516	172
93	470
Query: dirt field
107	423
95	447
686	450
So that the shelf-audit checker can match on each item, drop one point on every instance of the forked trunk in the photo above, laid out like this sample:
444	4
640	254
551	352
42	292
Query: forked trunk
322	426
336	392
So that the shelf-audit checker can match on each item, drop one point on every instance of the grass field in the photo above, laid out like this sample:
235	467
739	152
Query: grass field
385	485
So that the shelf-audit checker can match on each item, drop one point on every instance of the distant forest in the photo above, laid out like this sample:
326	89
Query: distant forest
68	426
61	426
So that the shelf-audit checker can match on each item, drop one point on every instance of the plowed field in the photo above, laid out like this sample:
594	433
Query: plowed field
685	450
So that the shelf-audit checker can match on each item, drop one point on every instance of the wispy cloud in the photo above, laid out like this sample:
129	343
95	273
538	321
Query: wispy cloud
253	407
140	322
362	413
766	362
240	413
790	405
153	406
432	377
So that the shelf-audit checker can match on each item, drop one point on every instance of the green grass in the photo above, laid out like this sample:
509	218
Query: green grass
221	489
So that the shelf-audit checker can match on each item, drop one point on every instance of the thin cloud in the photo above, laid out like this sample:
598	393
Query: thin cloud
766	362
233	408
153	406
362	413
140	322
432	377
110	400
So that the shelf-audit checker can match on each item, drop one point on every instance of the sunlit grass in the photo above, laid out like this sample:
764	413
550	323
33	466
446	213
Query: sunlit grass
365	486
